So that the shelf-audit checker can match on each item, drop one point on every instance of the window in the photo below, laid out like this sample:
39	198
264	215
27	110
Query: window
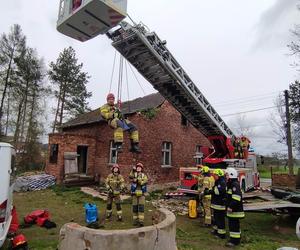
184	121
113	153
166	153
198	155
53	153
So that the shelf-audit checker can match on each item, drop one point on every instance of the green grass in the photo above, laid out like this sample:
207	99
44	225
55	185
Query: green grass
265	171
259	231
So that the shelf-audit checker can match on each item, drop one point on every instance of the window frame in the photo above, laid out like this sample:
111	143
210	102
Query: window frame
111	149
198	150
165	150
53	158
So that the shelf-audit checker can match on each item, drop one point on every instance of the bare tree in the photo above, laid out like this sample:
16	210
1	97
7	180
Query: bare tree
242	126
277	120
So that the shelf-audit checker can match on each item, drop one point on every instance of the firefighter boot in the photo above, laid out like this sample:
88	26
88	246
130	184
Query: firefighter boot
120	218
135	148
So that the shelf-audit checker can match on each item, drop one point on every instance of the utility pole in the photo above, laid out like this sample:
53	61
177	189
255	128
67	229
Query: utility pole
288	133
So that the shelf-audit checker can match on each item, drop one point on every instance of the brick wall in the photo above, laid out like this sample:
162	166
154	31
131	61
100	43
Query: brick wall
165	126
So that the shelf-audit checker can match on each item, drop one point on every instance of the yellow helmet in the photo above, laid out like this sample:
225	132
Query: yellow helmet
219	172
205	169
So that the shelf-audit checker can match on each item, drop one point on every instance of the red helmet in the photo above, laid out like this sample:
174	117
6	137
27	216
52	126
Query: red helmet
110	96
19	240
115	166
139	164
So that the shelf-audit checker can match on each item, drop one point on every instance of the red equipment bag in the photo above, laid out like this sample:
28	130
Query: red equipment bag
14	225
37	216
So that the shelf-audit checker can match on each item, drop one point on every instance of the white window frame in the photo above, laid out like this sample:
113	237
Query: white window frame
111	149
198	153
165	150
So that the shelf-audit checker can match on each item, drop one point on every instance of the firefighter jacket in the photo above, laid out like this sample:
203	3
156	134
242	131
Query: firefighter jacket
139	183
234	199
109	112
218	194
208	183
199	179
114	184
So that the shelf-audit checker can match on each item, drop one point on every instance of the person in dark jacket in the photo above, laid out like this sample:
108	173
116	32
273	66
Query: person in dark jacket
218	197
235	210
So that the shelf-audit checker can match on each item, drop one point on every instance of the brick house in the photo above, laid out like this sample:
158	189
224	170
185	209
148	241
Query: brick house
167	141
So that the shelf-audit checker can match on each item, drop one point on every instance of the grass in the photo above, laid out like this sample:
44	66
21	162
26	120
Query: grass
259	231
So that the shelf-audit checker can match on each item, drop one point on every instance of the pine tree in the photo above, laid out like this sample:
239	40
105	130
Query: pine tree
11	46
70	87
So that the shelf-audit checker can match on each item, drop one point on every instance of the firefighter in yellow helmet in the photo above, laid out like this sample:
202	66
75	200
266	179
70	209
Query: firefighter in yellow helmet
115	119
115	185
138	189
208	183
218	202
199	179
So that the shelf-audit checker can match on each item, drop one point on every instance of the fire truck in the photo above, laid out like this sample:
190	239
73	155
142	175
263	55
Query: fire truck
151	57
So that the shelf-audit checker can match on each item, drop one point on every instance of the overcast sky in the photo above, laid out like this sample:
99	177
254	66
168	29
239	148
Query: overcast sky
235	51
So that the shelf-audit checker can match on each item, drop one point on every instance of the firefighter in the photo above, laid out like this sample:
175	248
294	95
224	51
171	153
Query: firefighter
115	185
218	199
245	144
200	189
138	189
208	183
115	119
235	210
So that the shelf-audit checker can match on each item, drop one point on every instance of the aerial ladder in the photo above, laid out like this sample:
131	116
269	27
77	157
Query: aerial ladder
150	56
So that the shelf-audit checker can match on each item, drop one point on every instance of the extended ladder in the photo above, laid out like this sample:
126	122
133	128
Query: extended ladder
149	55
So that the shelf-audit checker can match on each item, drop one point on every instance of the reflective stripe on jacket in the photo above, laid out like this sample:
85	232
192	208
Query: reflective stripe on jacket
234	199
218	198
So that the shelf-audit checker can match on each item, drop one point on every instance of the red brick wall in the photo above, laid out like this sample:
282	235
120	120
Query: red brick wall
165	126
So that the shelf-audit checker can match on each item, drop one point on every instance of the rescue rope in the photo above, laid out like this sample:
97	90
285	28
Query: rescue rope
128	98
112	73
120	81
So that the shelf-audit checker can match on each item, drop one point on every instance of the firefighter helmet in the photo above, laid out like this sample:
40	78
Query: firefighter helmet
232	173
205	169
115	166
110	96
139	164
219	172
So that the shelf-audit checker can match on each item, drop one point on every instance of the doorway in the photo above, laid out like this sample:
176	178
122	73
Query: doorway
82	152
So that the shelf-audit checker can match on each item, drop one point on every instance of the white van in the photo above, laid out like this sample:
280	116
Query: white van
7	163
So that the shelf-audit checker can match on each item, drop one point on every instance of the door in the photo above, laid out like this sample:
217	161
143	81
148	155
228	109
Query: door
82	152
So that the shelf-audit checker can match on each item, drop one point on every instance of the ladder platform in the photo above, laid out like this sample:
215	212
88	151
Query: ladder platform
90	18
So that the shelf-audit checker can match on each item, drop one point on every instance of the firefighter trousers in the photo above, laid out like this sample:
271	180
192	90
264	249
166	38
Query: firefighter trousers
219	222
120	125
234	230
138	208
207	210
110	200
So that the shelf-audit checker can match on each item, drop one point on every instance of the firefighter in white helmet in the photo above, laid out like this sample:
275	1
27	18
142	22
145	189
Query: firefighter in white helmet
235	210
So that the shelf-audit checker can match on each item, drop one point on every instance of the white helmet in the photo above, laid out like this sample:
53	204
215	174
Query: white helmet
232	173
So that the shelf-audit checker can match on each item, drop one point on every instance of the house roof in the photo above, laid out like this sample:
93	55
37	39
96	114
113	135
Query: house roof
130	107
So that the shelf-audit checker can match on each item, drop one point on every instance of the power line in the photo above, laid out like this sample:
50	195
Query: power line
249	98
249	111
